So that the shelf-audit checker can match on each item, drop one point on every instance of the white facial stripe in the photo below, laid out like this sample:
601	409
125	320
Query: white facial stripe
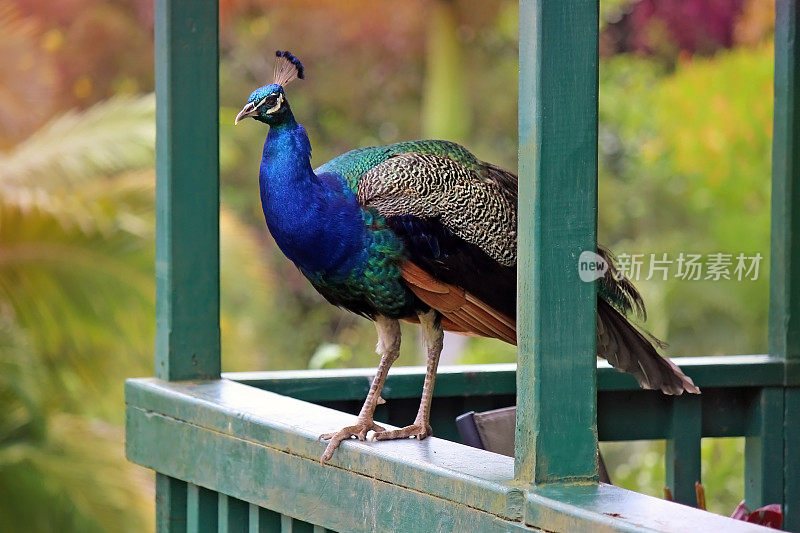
277	104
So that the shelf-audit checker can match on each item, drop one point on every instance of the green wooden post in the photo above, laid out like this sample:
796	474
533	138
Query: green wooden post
784	322
187	210
784	331
187	190
556	434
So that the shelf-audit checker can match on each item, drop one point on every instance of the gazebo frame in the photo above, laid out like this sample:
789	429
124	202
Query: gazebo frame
239	452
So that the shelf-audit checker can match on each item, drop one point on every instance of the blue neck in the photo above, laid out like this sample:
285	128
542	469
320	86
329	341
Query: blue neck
314	220
287	153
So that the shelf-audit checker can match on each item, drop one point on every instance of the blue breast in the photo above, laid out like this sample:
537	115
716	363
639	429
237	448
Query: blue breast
315	219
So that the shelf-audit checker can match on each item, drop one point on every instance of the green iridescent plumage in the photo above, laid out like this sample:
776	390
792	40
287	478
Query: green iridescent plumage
376	281
354	164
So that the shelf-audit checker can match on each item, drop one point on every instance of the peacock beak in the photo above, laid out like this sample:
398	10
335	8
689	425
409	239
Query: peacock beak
247	111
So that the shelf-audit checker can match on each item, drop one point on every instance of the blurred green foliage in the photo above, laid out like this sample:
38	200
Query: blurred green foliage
684	166
639	466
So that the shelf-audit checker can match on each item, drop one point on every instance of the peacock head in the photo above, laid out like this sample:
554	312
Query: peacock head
268	104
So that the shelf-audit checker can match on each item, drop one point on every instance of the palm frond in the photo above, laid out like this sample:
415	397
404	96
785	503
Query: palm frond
76	277
113	136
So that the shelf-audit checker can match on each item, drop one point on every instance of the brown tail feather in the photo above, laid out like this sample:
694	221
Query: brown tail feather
627	349
618	341
462	312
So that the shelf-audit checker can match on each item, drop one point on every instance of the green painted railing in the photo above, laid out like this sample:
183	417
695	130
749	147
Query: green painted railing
738	400
240	452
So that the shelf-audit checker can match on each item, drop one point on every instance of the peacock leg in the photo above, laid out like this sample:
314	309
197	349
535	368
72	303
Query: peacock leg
432	336
389	349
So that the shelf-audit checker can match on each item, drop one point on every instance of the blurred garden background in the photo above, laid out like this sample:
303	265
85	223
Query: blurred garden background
685	139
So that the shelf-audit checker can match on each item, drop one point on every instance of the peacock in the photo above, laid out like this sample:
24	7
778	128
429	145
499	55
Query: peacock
423	232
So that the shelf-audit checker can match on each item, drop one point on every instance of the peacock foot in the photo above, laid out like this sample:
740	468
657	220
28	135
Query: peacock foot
358	431
418	430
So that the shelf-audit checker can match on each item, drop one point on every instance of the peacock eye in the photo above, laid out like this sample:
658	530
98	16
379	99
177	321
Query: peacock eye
271	100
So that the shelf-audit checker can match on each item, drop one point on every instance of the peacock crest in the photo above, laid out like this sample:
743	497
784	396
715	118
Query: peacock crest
287	68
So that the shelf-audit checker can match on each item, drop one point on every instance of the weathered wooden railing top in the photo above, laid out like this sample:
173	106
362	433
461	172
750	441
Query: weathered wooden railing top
262	448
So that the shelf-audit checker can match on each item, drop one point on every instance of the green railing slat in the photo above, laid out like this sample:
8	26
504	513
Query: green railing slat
187	190
233	515
263	520
730	371
763	451
791	459
683	448
551	506
171	500
201	510
556	437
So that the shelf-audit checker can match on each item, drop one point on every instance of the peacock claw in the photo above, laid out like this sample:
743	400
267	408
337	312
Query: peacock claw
415	430
358	431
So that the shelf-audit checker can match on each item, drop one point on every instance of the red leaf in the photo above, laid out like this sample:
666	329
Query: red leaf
769	515
741	512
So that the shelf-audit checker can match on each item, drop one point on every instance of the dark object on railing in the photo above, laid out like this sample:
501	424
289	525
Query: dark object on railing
468	430
494	431
768	516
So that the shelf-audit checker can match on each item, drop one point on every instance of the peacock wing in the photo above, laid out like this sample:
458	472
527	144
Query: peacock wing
473	203
457	219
